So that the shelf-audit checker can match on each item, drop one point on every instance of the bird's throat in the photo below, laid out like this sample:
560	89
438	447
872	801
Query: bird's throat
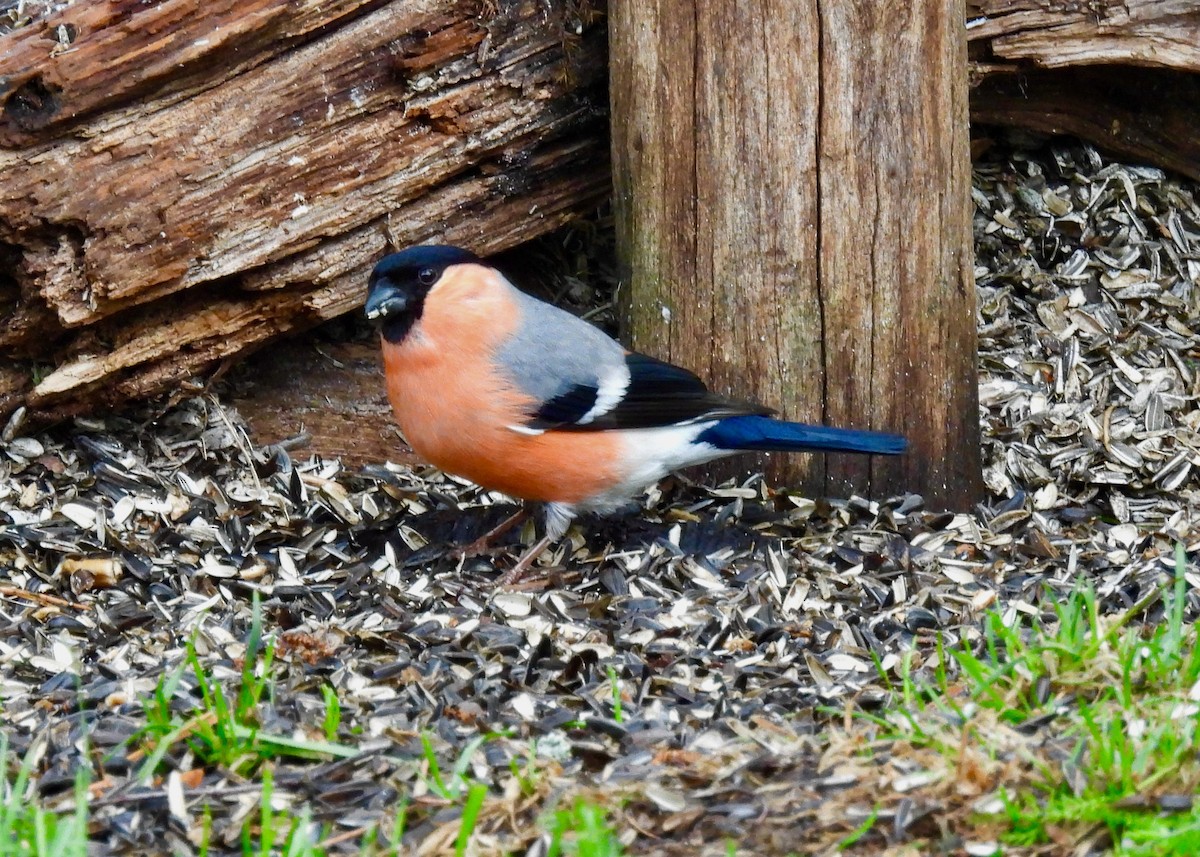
397	327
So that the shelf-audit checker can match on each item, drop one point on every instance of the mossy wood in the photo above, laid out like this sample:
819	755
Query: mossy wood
182	181
792	196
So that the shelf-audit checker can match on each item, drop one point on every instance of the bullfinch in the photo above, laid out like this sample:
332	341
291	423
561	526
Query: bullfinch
522	397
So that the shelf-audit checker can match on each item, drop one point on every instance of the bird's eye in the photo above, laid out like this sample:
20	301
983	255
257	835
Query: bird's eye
427	276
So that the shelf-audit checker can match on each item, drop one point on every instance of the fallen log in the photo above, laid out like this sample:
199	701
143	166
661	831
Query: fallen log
1055	34
1120	74
183	181
1143	115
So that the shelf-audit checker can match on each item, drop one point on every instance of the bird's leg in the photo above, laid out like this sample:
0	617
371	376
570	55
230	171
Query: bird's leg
558	518
484	542
518	571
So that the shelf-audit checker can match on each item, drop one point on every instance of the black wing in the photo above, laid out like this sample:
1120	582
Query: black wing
659	394
566	409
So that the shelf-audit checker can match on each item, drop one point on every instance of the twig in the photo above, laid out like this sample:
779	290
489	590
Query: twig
41	598
342	837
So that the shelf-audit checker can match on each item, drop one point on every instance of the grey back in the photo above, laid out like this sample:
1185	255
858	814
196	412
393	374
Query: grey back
553	351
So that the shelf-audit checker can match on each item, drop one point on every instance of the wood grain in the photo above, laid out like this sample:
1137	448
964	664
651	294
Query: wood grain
1054	34
791	185
1119	74
1141	115
236	180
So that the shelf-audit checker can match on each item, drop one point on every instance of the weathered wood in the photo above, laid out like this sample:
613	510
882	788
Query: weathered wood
791	186
1054	34
1120	74
713	244
1144	115
320	396
237	181
93	55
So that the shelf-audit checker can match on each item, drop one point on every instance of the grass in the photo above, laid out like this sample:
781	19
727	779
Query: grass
583	830
1132	716
333	713
450	786
1099	715
218	726
28	828
614	689
860	831
221	728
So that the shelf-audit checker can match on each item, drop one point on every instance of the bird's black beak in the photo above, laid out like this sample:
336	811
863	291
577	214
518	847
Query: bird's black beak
384	300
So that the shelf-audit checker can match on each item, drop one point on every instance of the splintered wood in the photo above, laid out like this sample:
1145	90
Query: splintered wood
1121	73
1155	33
183	181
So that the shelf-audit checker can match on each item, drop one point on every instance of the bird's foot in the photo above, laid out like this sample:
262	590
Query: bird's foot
524	564
483	544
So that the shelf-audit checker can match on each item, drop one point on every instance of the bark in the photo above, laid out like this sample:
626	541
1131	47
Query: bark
1055	34
1120	74
791	191
183	181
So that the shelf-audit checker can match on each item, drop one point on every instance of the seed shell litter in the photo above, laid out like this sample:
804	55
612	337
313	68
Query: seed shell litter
684	664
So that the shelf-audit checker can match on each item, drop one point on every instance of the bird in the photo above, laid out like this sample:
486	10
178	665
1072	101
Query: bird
519	396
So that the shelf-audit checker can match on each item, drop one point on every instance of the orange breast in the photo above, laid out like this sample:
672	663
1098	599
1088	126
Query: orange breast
455	409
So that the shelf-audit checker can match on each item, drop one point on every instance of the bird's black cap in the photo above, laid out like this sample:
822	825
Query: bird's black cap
400	281
436	256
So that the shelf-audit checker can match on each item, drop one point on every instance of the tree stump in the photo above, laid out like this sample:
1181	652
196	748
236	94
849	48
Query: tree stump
182	181
792	197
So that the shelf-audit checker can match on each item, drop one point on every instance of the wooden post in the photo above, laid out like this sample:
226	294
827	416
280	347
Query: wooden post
792	205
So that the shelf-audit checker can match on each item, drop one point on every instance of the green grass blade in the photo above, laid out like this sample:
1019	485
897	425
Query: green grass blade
470	817
247	697
333	712
459	775
859	832
299	841
435	771
287	745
